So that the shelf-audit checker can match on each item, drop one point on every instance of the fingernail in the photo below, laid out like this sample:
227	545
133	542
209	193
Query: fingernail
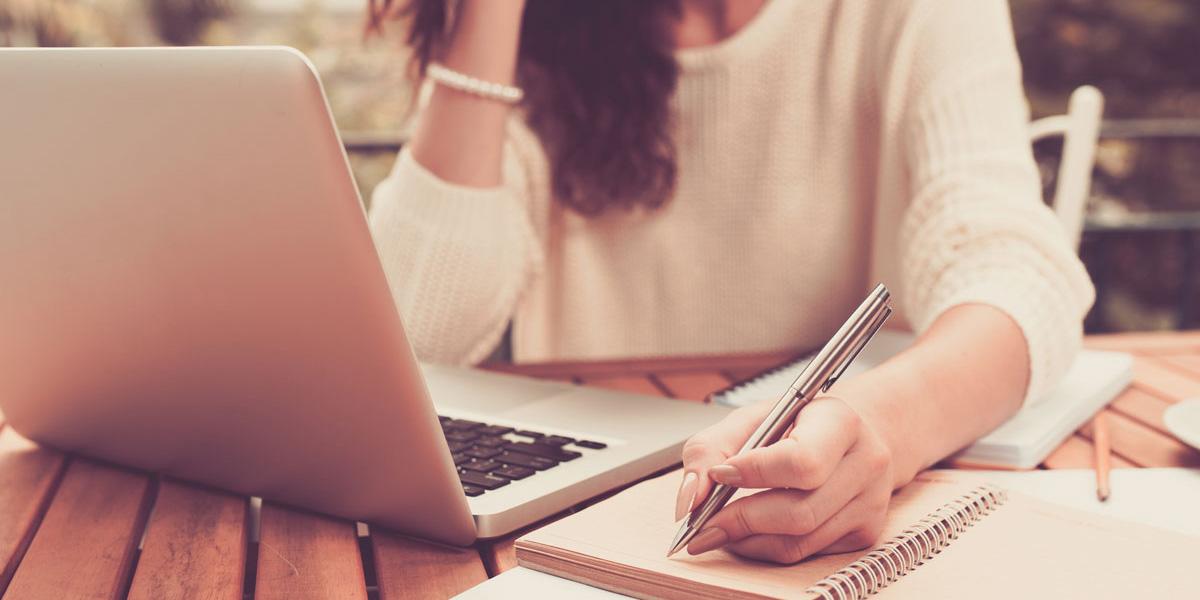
687	495
726	474
709	539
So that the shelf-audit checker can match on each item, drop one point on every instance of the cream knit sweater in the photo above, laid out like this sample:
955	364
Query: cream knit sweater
825	147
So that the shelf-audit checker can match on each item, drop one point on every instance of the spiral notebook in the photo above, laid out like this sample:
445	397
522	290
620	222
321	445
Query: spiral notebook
1095	378
947	536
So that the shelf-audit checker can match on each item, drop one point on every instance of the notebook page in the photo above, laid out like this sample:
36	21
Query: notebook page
628	535
1028	548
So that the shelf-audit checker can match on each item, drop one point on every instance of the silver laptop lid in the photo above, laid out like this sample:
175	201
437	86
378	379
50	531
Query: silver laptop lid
188	285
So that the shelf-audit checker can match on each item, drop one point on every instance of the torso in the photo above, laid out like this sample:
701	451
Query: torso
770	221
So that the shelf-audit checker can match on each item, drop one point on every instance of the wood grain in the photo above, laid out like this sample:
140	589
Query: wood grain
1162	380
1164	342
1078	452
195	546
503	554
304	555
1188	364
1144	446
638	384
1074	453
28	475
693	386
408	568
85	546
753	363
1144	407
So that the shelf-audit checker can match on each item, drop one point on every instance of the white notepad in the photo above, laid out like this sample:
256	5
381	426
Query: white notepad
1023	441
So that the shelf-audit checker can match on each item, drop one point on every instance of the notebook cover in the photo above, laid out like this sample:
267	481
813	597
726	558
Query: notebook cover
1025	548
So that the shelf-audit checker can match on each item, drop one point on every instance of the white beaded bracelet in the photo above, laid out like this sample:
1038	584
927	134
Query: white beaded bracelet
471	85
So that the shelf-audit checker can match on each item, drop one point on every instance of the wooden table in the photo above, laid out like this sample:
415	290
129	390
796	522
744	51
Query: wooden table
70	527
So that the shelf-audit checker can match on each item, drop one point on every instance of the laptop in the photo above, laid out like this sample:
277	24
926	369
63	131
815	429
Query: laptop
188	286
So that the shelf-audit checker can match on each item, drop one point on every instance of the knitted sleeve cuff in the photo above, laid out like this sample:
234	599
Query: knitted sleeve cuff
1050	323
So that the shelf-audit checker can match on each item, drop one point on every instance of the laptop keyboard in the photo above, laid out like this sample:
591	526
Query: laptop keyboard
489	457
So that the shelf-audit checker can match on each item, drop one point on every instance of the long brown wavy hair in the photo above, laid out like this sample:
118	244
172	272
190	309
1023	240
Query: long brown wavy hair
598	78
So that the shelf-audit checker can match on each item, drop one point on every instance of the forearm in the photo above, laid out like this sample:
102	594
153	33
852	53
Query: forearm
967	374
460	137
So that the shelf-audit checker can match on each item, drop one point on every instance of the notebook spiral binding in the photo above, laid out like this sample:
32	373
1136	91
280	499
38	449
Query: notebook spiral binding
912	547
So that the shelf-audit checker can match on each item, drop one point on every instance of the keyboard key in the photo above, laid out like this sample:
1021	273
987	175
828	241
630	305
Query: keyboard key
462	424
460	458
471	490
486	482
555	440
529	434
478	452
550	452
458	446
482	466
493	430
525	460
491	442
511	472
444	419
458	435
591	445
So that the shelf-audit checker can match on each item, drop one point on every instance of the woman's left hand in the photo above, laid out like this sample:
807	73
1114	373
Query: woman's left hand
830	482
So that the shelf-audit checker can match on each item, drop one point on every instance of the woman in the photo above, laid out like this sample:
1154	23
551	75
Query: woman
700	176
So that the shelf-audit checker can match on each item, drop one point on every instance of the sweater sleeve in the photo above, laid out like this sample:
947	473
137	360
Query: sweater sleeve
977	230
457	258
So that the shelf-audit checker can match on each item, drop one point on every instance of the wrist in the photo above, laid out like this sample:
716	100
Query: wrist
884	400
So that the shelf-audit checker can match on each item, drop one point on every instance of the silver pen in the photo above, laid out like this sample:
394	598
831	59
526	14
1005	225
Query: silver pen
821	372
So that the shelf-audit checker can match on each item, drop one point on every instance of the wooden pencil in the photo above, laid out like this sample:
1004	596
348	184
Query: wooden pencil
1102	445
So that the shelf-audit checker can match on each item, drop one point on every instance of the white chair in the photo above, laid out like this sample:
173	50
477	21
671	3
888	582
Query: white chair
1080	129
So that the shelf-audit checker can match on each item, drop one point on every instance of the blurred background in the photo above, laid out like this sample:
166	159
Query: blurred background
1141	240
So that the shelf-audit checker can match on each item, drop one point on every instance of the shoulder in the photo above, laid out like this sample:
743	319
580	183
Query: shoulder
928	45
947	29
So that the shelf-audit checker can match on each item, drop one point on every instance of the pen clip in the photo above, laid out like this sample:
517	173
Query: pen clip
879	320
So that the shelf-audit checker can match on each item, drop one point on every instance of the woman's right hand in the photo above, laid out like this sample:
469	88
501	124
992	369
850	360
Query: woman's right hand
828	483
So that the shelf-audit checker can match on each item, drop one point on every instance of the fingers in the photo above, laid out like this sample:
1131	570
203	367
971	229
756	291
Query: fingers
855	528
824	432
787	511
713	446
687	494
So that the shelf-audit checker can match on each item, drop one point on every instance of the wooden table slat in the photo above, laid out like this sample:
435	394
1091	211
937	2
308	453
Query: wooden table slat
1149	343
305	555
693	386
1144	446
1076	452
625	367
28	475
638	384
409	568
1188	364
86	543
503	554
1162	380
1143	407
195	545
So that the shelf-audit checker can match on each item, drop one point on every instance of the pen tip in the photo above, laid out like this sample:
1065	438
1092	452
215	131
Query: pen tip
680	540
